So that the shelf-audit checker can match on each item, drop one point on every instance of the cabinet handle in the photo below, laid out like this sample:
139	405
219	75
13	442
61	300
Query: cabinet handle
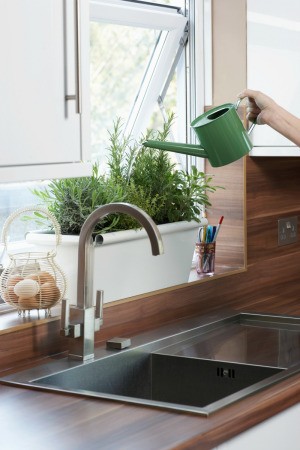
77	96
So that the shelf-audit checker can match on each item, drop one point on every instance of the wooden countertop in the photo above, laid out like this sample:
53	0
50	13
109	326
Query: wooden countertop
38	420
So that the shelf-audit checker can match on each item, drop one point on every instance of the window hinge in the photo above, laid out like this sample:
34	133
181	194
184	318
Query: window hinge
182	43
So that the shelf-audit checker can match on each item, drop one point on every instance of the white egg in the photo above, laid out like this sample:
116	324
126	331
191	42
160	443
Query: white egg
26	288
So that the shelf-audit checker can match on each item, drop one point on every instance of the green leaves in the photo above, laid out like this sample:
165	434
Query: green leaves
142	176
72	200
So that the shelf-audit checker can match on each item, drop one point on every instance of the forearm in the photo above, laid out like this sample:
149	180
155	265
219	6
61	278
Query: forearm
284	122
265	110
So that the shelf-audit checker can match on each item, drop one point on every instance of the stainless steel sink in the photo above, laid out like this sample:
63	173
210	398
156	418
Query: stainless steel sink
199	369
156	378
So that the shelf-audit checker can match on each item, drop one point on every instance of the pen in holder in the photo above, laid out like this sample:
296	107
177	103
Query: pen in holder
206	252
206	248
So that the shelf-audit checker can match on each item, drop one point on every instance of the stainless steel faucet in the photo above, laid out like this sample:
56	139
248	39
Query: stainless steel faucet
82	320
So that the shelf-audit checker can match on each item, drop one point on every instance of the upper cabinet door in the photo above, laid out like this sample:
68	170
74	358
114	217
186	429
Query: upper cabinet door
42	133
273	66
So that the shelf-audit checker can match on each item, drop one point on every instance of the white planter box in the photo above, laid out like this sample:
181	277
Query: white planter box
124	265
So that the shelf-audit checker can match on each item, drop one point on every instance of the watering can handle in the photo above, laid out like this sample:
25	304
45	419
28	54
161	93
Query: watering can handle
236	107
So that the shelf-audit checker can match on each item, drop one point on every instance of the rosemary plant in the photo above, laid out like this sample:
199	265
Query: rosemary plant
144	177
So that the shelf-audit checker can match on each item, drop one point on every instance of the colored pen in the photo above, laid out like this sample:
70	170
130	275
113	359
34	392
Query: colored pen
214	229
218	228
209	234
204	233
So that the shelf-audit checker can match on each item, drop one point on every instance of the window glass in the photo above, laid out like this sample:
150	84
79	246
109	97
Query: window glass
119	58
12	197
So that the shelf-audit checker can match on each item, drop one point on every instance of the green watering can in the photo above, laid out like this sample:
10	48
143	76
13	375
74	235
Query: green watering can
221	134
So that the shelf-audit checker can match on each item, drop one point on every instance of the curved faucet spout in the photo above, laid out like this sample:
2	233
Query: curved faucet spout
84	282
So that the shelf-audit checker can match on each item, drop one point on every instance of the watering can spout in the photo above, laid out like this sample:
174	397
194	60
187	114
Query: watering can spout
177	147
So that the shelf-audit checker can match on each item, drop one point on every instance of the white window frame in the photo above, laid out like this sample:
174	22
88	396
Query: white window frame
199	87
172	25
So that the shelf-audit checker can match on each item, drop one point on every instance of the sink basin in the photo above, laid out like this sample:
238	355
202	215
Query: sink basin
157	378
199	370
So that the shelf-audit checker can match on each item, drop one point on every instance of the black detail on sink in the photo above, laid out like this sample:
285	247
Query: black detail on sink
225	372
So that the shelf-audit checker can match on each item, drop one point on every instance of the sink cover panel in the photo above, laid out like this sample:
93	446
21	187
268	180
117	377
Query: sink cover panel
244	343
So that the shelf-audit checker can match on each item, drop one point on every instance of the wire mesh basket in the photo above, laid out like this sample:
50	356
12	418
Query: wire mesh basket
32	280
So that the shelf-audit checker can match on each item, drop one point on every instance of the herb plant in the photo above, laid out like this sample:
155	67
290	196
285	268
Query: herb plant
138	175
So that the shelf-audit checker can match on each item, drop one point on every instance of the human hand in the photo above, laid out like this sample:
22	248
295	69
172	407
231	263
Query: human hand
259	107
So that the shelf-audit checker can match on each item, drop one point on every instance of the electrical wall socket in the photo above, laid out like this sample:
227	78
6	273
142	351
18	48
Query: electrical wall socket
287	230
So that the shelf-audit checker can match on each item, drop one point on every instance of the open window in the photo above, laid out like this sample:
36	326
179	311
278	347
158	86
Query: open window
137	68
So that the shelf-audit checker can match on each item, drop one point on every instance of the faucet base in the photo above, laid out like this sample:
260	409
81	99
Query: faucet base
83	323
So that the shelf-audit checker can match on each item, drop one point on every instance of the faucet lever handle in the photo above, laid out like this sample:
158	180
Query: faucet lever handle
99	310
68	329
65	317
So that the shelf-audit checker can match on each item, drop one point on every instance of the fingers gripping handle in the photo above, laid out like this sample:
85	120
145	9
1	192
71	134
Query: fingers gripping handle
236	107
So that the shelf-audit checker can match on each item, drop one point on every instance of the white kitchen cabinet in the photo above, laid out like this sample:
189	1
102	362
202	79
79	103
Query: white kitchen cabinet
280	432
41	133
273	66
